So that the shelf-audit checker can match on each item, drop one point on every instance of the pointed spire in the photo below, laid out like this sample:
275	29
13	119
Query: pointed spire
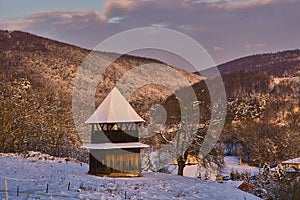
113	109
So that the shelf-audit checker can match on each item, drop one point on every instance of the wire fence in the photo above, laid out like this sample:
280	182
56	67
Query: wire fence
42	190
12	194
50	191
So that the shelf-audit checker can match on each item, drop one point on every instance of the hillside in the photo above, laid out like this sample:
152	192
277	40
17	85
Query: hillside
37	78
262	122
262	119
36	82
32	176
281	64
38	59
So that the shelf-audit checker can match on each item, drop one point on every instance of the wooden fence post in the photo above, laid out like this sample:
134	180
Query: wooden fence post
6	189
69	186
47	188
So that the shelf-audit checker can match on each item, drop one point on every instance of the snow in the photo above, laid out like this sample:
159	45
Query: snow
290	170
232	163
235	184
292	161
114	109
190	171
162	160
32	177
116	145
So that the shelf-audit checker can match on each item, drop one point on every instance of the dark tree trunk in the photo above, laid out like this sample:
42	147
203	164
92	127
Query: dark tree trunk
181	163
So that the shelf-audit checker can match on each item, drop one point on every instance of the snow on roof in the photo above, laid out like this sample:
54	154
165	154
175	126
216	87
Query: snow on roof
235	184
292	161
290	170
114	108
116	145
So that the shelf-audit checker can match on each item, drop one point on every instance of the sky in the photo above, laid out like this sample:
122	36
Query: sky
227	29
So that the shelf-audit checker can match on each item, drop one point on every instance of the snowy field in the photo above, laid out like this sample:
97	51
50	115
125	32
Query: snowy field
32	176
232	163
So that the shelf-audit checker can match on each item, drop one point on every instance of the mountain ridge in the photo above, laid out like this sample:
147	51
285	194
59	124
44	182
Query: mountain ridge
281	63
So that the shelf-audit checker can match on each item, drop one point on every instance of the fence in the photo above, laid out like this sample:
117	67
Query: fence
42	190
47	191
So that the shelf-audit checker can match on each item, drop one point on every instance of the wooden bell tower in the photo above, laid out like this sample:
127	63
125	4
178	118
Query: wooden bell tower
115	147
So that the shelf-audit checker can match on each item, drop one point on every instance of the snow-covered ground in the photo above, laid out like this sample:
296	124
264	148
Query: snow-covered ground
32	176
188	171
232	163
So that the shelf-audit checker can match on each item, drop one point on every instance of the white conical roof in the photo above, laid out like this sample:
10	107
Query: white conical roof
114	108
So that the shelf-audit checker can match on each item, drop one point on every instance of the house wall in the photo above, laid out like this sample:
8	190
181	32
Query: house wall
115	161
291	165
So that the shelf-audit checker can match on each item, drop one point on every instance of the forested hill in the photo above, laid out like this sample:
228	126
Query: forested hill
36	83
263	115
37	78
263	107
280	64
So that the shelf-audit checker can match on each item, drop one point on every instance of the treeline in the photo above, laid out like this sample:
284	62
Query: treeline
280	64
245	83
36	119
263	126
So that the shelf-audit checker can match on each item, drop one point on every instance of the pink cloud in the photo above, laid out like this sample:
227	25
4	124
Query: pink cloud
251	4
216	48
59	18
267	25
236	4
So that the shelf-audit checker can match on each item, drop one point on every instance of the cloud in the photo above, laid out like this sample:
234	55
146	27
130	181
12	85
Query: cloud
235	4
241	27
160	25
115	20
12	25
54	18
258	45
251	4
248	46
218	48
84	28
230	4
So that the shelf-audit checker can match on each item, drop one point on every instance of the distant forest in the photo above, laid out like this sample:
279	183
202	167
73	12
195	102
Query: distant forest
37	78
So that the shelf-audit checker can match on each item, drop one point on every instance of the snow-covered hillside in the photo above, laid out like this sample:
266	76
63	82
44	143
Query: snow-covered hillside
32	176
232	163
